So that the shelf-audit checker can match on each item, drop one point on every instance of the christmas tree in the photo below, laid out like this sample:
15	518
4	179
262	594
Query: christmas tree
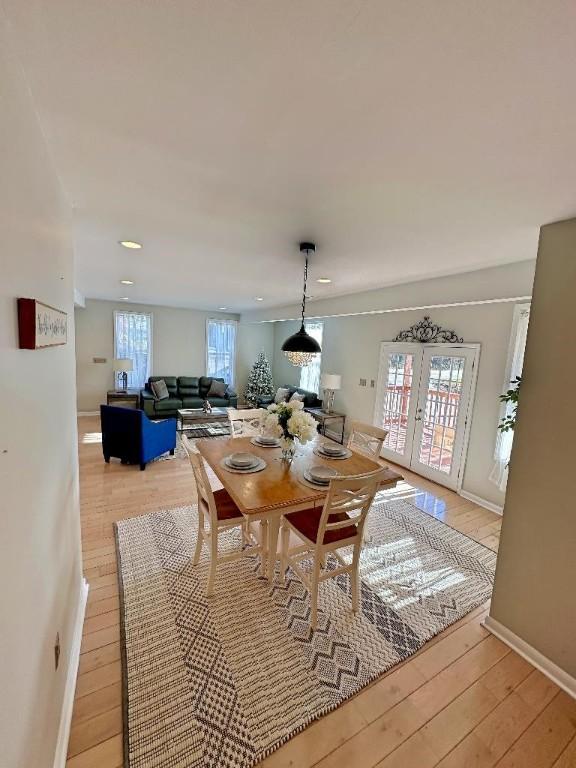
260	380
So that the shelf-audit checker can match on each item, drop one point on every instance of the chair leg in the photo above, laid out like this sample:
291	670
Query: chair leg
355	579
314	591
172	452
107	459
285	537
142	467
213	562
199	540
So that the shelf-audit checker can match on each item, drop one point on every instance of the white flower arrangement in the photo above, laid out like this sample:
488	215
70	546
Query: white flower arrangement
289	421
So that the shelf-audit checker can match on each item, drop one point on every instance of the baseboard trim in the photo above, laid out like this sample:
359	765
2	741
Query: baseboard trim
553	671
88	413
70	689
481	502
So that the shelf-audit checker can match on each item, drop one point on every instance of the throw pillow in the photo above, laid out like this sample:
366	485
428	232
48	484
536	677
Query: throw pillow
217	389
281	395
297	396
159	389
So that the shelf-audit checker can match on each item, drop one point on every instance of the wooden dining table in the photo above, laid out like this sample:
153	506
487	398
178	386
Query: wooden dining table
280	488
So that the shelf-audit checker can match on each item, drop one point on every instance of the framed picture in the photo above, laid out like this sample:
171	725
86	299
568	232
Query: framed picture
41	325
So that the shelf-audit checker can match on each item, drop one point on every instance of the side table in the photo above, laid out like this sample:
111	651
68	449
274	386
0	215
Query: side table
324	418
129	398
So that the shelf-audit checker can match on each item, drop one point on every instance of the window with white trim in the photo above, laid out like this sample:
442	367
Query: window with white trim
221	349
310	374
514	365
133	341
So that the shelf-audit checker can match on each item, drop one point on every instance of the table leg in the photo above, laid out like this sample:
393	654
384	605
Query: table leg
273	530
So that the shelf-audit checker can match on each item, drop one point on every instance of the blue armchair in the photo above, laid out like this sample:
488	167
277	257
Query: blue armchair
129	435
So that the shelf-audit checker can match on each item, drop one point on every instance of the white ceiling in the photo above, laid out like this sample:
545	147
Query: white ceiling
407	139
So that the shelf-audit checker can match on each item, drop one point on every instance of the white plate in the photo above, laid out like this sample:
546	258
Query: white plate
333	450
321	474
241	460
258	441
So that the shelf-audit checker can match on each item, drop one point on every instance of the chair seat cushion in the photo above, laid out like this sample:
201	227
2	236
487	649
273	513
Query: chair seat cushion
307	522
168	404
225	505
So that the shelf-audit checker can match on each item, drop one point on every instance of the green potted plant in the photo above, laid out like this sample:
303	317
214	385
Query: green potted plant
508	421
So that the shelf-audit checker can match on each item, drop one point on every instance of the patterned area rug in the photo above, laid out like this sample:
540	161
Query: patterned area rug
224	682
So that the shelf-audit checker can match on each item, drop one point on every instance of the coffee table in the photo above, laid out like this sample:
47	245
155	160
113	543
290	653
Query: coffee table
196	420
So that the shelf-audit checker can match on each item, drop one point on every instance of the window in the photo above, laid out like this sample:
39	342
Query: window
133	340
310	374
504	440
221	349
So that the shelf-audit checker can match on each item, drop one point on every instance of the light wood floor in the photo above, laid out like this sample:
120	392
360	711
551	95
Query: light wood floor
463	700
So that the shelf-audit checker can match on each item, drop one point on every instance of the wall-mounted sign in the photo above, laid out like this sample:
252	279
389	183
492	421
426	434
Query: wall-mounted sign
40	325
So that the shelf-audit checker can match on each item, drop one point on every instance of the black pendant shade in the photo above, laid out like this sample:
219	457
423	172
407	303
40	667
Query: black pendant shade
301	342
300	348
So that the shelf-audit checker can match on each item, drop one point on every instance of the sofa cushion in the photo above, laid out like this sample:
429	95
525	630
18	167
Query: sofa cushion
192	402
170	383
217	389
282	394
310	398
205	382
169	404
188	386
159	389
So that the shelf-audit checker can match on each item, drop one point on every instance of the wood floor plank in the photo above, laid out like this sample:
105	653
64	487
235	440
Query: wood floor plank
544	741
99	657
107	754
88	733
95	703
98	678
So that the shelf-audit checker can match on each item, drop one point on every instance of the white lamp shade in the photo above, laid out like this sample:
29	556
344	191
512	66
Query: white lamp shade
330	381
123	364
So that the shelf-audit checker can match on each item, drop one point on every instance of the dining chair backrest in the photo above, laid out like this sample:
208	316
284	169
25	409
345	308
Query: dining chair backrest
348	502
366	438
206	502
244	421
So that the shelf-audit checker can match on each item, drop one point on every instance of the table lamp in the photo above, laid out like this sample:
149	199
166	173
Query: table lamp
330	382
122	366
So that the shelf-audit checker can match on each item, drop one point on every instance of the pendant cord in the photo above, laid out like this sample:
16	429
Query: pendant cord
304	294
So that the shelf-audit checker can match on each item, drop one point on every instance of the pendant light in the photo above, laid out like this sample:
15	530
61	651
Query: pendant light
301	348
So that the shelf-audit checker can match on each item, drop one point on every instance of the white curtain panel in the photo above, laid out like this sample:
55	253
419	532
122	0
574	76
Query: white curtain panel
310	374
221	349
504	440
133	340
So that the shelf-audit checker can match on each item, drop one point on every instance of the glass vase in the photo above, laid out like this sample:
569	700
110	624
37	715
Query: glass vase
288	449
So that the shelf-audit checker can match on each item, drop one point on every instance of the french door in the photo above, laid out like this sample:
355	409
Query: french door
424	399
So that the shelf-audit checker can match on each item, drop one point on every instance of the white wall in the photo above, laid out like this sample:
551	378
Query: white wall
351	347
178	345
40	565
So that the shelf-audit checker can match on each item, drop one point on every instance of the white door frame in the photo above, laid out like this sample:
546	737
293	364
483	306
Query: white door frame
406	459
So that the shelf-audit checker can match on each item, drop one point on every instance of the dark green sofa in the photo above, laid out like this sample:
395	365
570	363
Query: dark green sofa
185	392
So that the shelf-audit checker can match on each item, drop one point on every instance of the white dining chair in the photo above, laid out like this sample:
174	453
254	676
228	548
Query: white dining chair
366	439
245	422
217	512
325	530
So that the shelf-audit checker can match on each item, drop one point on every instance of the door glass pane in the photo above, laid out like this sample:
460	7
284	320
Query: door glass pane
397	400
440	417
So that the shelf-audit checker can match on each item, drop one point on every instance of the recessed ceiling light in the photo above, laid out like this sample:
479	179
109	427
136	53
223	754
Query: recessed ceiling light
222	309
258	298
130	244
323	280
127	282
124	298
